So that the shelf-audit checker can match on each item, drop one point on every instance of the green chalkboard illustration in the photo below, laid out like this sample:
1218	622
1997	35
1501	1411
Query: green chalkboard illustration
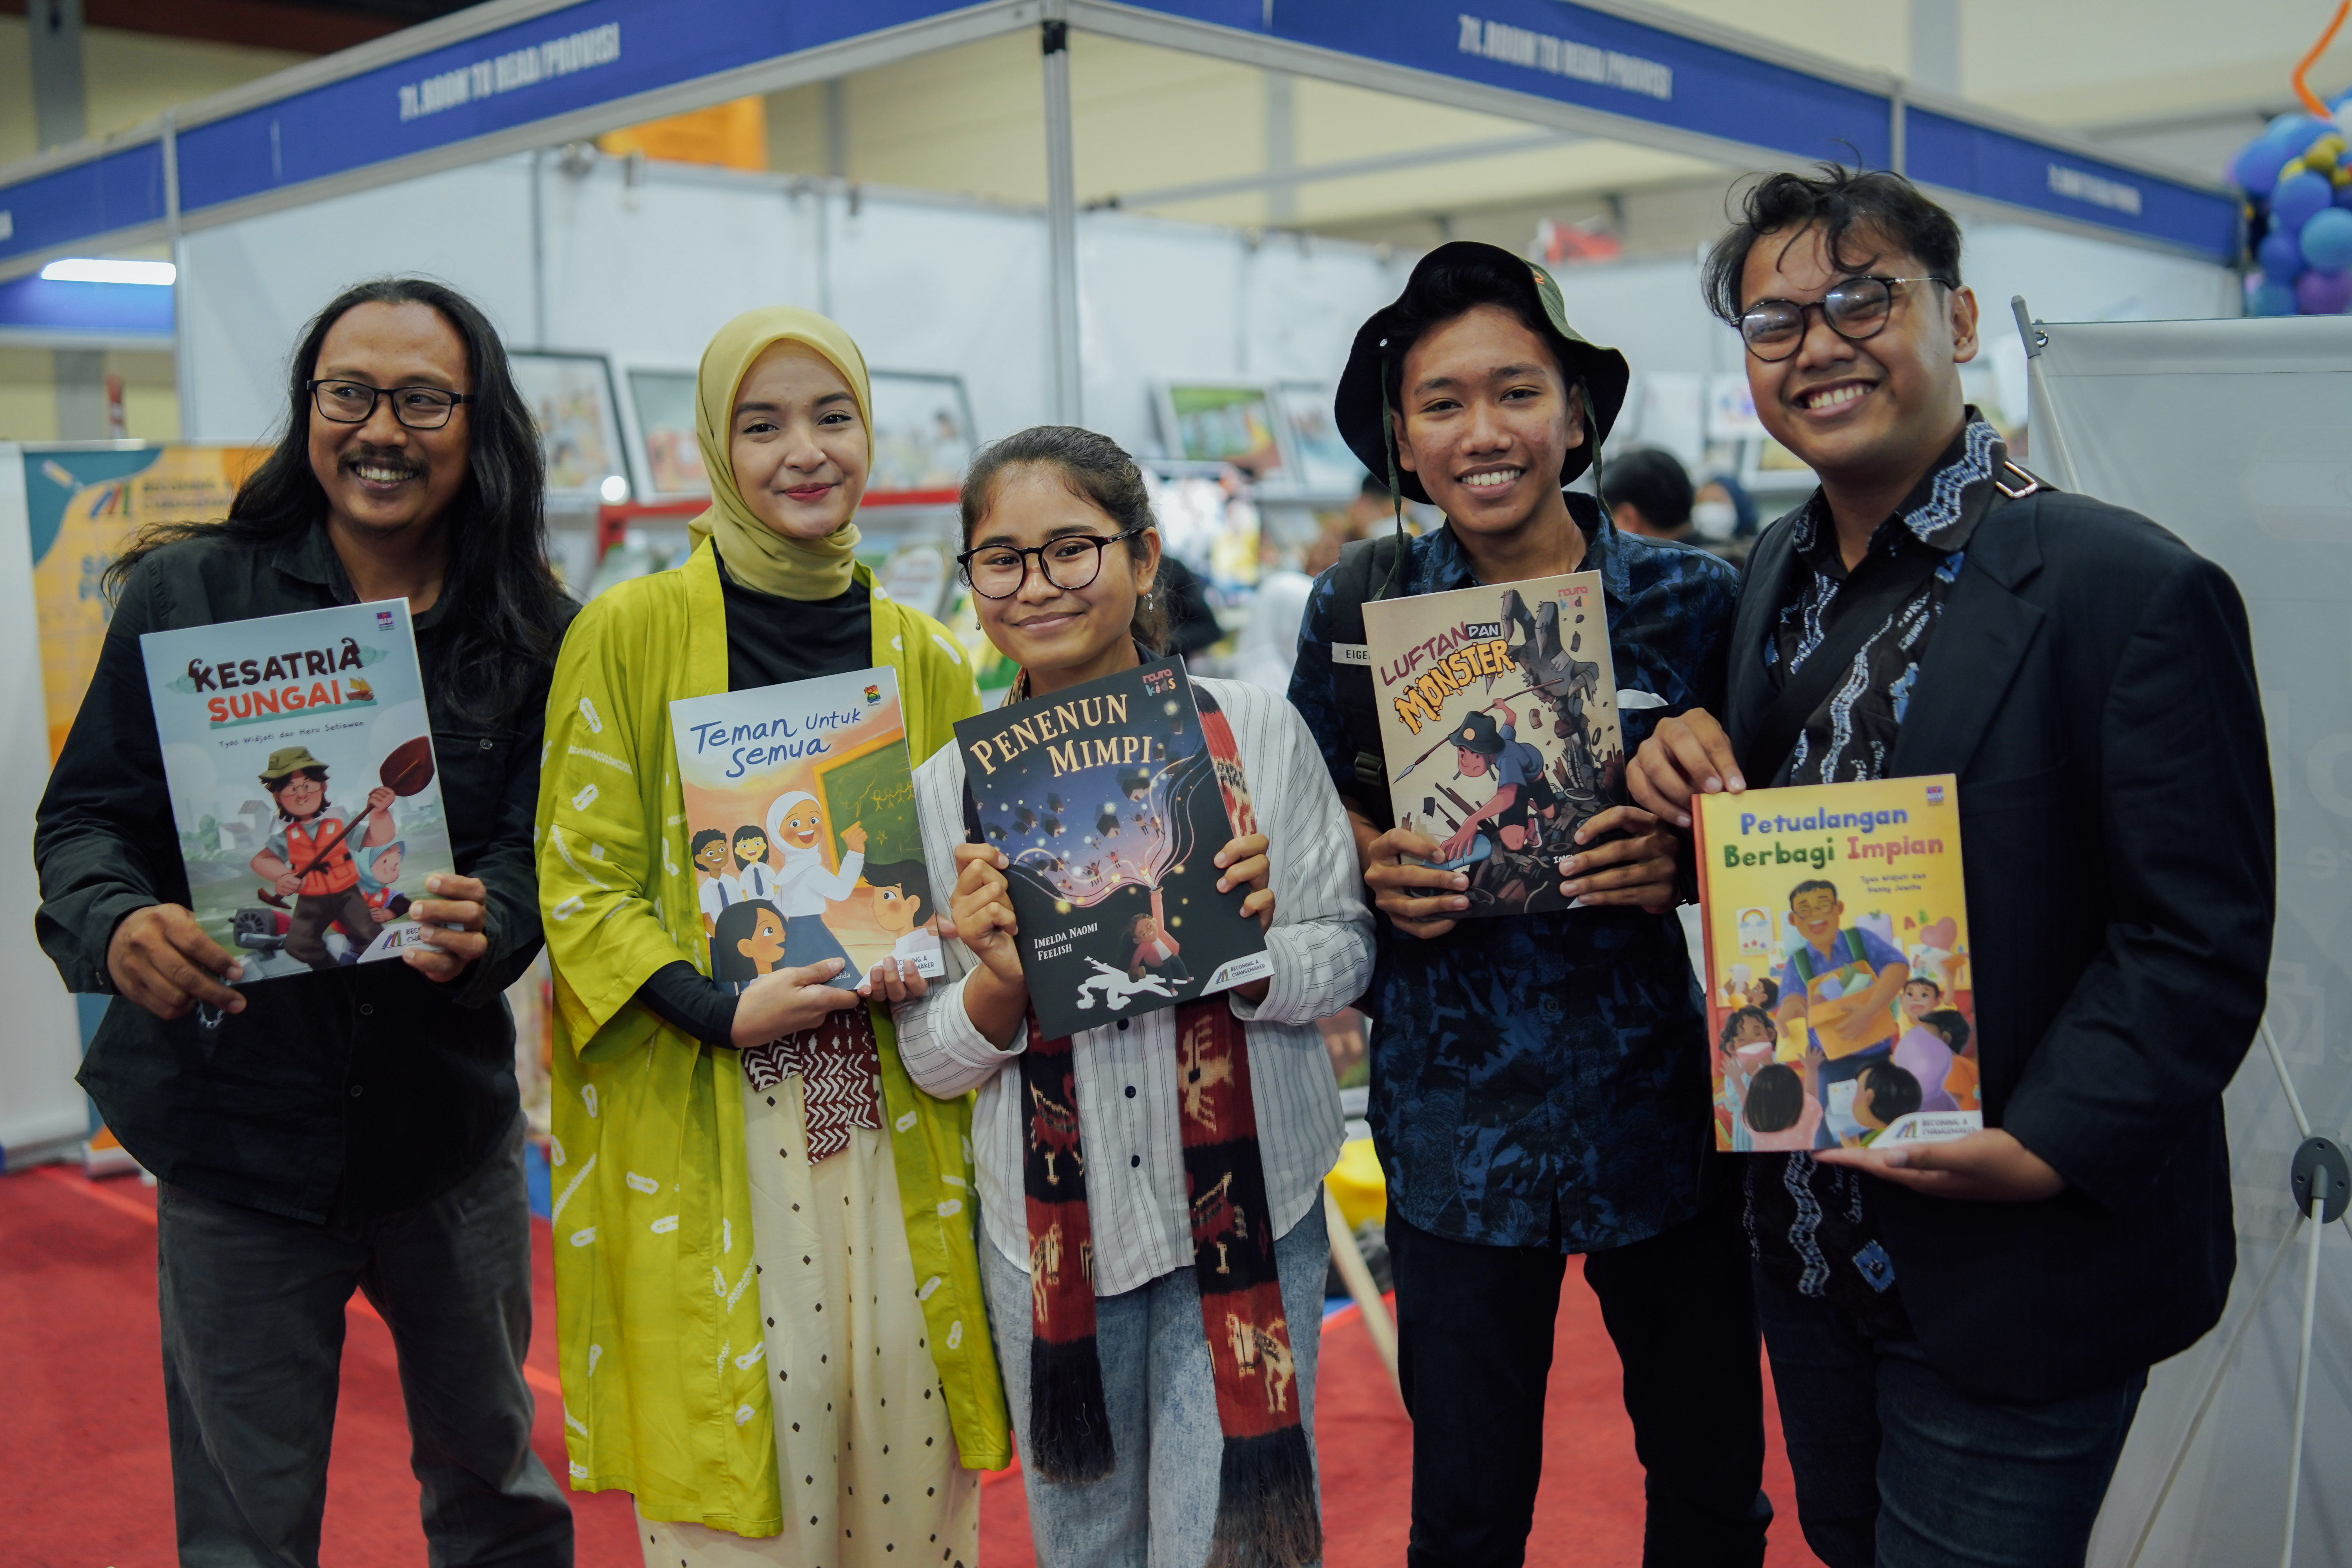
872	789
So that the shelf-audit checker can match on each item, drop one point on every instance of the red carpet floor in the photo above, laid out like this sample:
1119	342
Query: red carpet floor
85	1473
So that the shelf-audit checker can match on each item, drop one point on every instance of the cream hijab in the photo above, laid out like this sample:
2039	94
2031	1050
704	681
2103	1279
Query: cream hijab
757	555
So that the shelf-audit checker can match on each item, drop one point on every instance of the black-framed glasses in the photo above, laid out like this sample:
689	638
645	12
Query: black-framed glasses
353	402
1855	308
1070	562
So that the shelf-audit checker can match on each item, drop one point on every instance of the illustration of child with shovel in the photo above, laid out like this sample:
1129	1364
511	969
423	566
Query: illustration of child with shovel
312	835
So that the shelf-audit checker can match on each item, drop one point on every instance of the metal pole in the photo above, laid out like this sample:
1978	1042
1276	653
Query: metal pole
2050	453
2302	1369
183	373
1062	225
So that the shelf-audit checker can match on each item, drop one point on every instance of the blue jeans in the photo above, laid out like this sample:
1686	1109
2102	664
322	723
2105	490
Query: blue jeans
1159	1505
1897	1468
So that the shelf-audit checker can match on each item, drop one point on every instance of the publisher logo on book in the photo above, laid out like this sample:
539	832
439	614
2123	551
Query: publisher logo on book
1934	795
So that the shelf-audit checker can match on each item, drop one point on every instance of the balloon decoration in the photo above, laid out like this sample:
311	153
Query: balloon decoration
2297	180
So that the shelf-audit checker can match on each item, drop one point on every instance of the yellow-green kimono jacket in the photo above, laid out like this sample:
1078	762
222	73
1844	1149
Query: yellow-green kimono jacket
664	1394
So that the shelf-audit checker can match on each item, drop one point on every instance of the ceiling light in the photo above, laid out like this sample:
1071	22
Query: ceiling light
106	270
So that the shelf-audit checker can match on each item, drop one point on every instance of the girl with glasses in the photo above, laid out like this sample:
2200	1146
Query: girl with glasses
772	1327
1151	1424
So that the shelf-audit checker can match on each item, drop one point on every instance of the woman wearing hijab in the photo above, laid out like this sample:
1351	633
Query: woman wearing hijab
772	1331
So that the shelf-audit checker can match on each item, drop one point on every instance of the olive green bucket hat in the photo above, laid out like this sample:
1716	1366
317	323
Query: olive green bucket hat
286	762
1456	277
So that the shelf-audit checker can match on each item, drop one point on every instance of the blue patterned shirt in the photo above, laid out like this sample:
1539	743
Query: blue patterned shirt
1542	1079
1810	1226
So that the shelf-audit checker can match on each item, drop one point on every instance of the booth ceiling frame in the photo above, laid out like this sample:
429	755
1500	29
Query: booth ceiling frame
517	75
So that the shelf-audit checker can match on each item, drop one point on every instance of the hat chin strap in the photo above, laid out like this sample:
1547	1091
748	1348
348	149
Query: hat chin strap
1396	490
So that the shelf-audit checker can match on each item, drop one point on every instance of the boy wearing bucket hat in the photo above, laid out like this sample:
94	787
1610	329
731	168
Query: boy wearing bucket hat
1539	1081
309	859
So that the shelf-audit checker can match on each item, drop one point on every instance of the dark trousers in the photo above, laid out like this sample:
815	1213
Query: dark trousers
306	932
253	1338
1475	1328
1897	1468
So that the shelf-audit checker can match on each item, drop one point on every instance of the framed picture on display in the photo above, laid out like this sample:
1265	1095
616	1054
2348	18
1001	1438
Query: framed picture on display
1224	423
572	401
1324	461
662	400
922	434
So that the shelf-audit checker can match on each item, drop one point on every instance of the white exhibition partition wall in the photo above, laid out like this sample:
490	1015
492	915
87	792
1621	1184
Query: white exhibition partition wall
646	269
42	1110
2231	435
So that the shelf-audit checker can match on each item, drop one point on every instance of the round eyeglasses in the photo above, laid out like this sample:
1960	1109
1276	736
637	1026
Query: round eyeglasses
1069	563
1855	308
353	402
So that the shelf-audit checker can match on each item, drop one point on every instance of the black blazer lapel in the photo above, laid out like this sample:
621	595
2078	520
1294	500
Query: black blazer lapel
1763	589
1979	643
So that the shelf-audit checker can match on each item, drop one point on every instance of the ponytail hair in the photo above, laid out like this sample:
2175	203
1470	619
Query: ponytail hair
1096	470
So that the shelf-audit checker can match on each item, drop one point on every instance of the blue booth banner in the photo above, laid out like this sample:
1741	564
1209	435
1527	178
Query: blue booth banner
578	57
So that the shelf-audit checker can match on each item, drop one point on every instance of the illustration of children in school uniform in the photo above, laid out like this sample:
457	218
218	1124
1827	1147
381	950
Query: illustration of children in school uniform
712	860
309	859
902	906
804	888
748	942
754	877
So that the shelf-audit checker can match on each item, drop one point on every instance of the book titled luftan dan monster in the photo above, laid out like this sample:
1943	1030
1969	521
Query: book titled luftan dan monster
1498	720
1111	800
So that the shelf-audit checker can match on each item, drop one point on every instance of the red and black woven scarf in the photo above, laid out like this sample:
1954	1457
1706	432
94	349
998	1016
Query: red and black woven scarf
1266	1512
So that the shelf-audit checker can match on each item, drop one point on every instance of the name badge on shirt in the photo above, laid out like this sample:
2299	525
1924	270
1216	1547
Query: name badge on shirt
1352	653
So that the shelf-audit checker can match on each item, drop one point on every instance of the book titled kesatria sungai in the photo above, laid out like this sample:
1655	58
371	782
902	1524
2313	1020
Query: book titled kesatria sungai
1111	800
1838	990
299	755
1498	722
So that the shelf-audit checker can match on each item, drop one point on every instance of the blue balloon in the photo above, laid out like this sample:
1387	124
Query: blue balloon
2327	241
2256	170
2264	298
2280	255
2294	132
2298	198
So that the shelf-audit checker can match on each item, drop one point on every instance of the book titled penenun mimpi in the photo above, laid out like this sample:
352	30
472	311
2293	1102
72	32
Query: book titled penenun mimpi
1838	997
1111	800
1498	722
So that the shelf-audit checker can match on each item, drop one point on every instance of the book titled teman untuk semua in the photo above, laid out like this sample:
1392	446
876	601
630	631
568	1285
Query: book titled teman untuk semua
1111	800
1839	1002
299	756
802	828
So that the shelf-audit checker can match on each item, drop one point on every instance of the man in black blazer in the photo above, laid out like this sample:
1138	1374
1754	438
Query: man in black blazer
1961	1332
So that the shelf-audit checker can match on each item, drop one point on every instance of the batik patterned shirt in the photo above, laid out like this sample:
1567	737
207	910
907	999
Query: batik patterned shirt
1810	1225
1541	1080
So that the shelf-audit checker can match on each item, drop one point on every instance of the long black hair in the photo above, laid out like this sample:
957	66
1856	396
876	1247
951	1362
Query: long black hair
1098	470
506	613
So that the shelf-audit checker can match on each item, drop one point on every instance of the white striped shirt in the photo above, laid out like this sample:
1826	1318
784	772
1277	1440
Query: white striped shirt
1321	943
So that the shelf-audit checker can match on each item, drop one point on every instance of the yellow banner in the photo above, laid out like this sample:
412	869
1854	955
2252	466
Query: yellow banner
84	506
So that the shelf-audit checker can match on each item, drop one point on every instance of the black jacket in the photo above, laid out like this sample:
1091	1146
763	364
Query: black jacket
2092	684
360	1091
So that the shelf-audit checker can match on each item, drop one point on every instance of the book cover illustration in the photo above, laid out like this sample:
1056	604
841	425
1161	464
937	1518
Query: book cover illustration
801	825
299	756
1111	800
1498	719
1839	998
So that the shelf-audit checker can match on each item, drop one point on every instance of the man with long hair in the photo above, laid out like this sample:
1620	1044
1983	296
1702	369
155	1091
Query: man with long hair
354	1126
